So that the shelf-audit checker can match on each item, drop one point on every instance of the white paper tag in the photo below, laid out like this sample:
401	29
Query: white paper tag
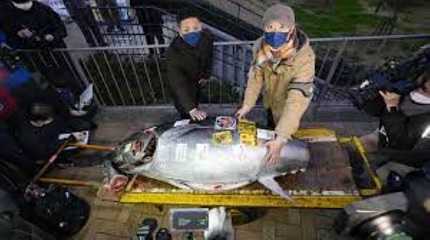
181	152
82	137
265	134
182	123
202	150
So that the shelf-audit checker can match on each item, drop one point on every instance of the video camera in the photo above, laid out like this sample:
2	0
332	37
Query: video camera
394	76
402	214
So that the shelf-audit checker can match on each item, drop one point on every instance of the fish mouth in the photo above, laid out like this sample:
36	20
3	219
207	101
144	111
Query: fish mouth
136	151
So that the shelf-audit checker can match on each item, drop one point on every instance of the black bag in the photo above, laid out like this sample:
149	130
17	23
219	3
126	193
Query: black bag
57	209
13	226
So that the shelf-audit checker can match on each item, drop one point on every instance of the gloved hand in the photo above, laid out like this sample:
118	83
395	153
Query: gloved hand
241	113
197	115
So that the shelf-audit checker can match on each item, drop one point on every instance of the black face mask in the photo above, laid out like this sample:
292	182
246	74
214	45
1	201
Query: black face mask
41	112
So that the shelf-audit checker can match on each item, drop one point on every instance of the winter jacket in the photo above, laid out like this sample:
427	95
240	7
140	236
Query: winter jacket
40	19
401	132
186	65
12	152
282	85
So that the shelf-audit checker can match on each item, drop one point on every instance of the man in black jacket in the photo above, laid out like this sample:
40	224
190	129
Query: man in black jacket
189	61
30	24
400	131
403	140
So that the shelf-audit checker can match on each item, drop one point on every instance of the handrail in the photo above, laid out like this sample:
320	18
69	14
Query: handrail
313	40
231	67
193	3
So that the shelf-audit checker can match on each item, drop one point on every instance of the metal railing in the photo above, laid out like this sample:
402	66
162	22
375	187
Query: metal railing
119	26
129	75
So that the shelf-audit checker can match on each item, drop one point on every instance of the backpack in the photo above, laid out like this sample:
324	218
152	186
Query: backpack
57	209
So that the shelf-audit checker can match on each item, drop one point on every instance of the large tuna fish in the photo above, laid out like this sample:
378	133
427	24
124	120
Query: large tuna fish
186	157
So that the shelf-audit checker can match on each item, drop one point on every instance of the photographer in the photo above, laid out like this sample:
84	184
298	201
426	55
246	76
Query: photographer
30	24
402	139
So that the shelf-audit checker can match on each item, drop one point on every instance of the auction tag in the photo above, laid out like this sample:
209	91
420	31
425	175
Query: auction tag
265	134
224	137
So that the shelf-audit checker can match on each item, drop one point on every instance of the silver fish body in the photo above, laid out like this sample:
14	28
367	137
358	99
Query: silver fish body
186	157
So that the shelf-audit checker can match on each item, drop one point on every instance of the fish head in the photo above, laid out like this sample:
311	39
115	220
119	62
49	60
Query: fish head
135	152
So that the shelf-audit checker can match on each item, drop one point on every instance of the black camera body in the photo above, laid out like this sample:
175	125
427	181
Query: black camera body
404	214
394	76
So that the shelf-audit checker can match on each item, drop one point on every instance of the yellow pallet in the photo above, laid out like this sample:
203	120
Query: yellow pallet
239	200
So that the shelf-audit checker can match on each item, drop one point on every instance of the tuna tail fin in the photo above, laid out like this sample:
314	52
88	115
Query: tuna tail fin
270	183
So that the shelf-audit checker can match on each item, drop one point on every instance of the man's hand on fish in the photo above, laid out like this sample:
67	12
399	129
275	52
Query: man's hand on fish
274	148
241	113
197	115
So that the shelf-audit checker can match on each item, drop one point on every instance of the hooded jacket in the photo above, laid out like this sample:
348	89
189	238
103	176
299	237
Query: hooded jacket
286	85
186	65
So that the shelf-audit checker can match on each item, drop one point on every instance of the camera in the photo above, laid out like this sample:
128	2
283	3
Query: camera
394	75
404	214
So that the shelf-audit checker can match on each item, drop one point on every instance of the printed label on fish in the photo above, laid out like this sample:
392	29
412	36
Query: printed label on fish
265	134
224	137
181	152
202	151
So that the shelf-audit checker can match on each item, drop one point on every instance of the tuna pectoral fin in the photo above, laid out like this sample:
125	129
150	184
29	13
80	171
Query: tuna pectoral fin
271	184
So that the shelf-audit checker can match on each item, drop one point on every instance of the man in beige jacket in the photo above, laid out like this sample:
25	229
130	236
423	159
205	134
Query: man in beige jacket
283	68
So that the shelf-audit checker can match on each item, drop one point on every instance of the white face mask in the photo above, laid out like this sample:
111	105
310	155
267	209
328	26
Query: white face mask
23	6
419	98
